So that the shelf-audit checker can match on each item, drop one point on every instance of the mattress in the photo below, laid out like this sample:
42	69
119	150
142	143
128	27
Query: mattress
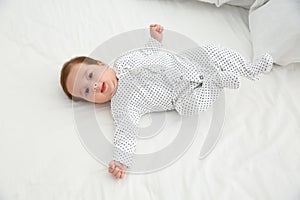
44	157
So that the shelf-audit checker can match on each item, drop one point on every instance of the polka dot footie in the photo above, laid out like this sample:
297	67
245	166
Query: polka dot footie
153	79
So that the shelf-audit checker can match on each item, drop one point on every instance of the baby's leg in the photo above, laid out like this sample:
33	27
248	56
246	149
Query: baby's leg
228	60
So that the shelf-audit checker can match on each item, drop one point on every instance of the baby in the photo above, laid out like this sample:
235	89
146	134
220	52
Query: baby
151	79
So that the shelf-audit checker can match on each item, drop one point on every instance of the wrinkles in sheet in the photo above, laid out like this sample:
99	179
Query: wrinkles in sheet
266	135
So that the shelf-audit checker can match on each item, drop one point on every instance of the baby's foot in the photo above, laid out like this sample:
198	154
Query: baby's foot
269	60
264	64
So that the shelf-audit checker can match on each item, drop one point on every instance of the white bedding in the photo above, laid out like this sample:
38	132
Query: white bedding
281	17
42	156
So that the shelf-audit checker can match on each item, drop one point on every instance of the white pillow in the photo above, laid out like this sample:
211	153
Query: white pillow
241	3
209	1
275	28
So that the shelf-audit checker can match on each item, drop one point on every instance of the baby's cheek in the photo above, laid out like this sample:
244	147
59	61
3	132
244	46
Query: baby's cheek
102	98
92	97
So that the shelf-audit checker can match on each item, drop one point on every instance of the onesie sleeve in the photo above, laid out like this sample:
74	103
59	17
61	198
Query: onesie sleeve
132	57
151	47
125	137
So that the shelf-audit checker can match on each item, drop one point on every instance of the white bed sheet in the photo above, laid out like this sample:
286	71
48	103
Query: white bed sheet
41	154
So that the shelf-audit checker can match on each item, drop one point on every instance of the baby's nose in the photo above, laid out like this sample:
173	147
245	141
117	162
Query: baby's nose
96	87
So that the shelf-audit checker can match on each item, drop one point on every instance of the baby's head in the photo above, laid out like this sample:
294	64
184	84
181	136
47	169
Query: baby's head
83	78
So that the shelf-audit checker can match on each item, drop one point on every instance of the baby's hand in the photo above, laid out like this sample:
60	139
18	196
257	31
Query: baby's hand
117	169
156	31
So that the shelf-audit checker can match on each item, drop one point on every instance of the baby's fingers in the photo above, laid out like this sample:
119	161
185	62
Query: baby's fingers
156	26
119	174
111	169
116	171
159	29
122	174
111	164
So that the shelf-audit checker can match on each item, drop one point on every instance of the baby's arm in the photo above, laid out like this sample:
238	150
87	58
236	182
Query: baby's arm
152	46
126	118
124	146
154	43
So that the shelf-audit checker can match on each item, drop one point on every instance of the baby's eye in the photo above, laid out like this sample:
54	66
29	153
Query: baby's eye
91	75
87	90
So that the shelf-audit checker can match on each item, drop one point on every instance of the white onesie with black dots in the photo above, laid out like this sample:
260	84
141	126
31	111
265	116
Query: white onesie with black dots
153	79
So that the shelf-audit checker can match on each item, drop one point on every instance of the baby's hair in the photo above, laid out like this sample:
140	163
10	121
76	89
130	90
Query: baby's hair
65	71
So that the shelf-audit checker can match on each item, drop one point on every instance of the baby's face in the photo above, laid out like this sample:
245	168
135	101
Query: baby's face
94	83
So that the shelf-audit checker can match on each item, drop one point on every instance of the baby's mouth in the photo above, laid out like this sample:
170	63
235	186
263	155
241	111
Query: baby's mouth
103	88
